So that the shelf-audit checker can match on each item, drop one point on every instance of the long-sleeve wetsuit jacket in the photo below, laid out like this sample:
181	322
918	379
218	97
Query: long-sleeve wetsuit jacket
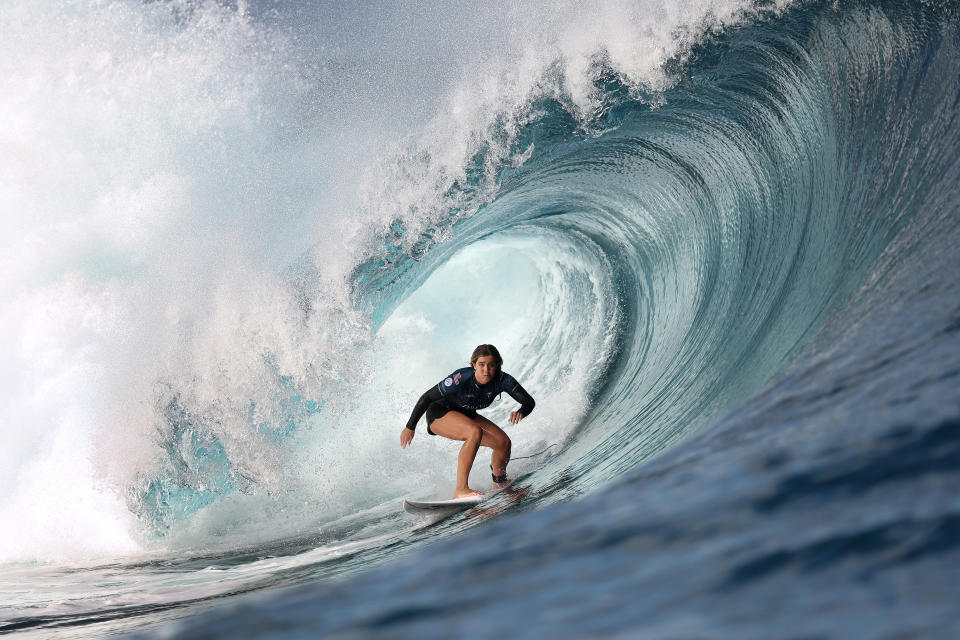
460	391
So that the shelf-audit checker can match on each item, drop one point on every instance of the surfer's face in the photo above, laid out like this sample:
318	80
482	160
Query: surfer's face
484	368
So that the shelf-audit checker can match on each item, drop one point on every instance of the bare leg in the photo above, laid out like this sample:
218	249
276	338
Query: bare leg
474	434
456	426
468	453
495	438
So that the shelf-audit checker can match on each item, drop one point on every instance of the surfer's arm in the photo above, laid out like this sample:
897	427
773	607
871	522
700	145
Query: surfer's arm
431	395
527	403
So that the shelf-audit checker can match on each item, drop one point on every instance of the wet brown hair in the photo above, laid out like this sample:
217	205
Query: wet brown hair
486	350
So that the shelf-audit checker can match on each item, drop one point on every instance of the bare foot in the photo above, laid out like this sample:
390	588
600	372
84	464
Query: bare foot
501	485
466	493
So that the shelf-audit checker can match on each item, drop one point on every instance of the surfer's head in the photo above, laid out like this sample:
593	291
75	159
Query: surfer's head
486	361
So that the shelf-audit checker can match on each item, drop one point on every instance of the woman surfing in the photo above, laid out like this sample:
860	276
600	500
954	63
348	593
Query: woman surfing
451	407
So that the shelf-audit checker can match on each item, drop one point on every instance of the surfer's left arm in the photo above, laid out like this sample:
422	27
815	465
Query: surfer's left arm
527	403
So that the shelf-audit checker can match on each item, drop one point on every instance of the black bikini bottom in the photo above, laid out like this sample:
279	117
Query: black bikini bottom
437	410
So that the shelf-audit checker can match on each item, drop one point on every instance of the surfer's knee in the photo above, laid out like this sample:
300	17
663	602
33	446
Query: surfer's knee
474	434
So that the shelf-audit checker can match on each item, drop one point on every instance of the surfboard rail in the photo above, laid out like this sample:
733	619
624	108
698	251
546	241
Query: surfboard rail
422	507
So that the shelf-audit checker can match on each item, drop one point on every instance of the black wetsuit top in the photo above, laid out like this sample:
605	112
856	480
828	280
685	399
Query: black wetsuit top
461	392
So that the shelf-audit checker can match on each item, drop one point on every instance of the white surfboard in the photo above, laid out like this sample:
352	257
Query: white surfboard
438	507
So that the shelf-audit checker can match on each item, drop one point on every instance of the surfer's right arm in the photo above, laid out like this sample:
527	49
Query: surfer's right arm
430	395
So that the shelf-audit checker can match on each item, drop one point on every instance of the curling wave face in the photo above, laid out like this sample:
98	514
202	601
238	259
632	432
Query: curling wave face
727	223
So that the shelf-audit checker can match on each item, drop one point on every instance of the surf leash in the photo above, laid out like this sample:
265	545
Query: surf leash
534	455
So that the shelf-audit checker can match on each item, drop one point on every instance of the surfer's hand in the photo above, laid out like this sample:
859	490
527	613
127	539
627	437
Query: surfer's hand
405	437
515	417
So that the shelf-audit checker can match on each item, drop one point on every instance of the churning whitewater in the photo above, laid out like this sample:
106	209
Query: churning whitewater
716	240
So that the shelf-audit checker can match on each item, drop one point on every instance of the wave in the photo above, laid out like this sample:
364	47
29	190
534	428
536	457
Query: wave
227	320
734	213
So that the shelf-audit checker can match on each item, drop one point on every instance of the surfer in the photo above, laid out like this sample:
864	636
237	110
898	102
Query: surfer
451	408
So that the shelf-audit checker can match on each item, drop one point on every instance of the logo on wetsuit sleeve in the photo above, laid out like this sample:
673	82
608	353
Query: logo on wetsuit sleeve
448	382
456	378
